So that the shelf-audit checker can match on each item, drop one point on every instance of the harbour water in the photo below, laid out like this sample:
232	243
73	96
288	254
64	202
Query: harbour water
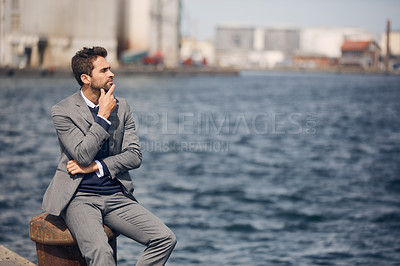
260	169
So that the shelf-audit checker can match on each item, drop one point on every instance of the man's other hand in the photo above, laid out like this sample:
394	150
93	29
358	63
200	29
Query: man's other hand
74	168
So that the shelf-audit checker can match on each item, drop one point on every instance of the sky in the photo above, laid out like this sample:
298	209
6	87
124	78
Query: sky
200	17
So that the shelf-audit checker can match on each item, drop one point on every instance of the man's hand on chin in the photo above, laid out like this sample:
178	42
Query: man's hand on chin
107	102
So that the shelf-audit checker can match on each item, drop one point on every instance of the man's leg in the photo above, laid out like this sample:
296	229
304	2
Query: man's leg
132	220
84	219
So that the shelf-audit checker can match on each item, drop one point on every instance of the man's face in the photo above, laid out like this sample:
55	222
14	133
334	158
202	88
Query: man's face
102	77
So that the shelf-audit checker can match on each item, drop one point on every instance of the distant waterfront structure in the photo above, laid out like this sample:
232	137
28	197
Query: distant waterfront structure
362	54
269	47
249	47
394	48
46	33
233	45
150	26
305	60
327	41
286	40
199	52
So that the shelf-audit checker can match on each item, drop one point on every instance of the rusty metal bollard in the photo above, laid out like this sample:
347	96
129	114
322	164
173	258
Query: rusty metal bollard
55	244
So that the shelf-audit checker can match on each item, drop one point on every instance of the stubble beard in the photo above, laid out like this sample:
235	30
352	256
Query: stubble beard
106	86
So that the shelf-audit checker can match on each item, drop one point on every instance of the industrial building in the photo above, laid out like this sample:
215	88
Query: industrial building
46	33
253	47
269	47
363	54
392	60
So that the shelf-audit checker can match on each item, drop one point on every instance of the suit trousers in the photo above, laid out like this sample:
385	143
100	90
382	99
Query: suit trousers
87	212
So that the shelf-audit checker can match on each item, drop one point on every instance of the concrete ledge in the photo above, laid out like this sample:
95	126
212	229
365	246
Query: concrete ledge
9	258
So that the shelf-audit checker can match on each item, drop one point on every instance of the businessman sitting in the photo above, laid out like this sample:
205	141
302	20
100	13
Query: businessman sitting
92	186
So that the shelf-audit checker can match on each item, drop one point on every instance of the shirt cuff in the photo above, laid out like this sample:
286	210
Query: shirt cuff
103	122
100	172
103	169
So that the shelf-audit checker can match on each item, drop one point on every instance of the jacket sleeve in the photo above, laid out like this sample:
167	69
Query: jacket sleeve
80	147
130	156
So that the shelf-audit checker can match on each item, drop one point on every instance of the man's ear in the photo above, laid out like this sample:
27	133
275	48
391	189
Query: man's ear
85	78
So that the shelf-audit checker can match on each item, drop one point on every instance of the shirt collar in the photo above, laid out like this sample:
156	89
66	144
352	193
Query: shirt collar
88	102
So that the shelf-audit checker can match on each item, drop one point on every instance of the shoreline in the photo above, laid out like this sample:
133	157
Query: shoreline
122	71
182	71
337	70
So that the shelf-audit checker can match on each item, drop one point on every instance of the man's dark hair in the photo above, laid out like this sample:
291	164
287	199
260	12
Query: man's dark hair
82	61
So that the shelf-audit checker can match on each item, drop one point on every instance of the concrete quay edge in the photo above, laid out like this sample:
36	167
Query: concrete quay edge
10	258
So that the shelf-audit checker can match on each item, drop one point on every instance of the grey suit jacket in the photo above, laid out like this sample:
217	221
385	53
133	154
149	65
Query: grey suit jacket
80	139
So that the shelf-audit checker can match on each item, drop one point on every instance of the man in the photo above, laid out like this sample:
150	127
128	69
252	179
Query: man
92	186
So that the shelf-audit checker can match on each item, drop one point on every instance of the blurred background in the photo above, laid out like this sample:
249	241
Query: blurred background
255	35
269	129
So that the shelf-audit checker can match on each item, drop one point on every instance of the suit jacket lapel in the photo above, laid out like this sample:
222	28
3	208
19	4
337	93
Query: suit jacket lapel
113	118
82	109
